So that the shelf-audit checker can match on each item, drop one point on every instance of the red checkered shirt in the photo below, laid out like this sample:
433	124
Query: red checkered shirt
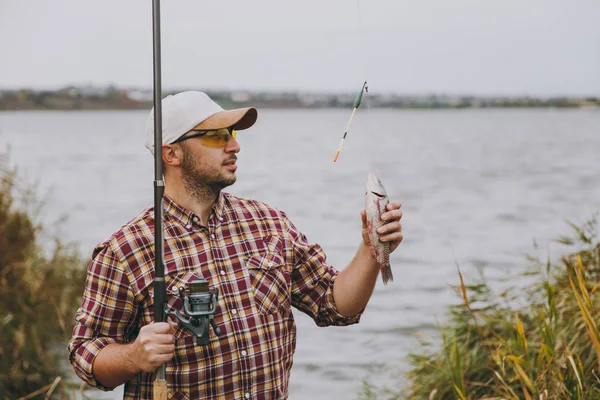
260	264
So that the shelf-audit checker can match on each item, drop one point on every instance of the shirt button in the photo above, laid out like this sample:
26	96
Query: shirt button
234	311
212	235
222	272
244	352
195	219
220	218
247	395
189	226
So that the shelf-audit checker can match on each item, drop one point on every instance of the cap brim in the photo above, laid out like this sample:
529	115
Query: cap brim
239	119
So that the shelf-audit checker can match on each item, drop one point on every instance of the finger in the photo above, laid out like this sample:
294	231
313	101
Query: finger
174	325
163	338
389	228
163	349
150	343
165	358
393	237
392	215
157	359
158	327
154	349
363	216
394	205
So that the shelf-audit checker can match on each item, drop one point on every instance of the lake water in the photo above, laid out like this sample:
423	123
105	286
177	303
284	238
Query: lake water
478	187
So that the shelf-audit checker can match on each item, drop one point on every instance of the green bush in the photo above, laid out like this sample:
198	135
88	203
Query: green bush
539	343
39	294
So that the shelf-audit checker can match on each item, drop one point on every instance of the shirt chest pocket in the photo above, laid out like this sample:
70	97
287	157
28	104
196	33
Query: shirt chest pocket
270	282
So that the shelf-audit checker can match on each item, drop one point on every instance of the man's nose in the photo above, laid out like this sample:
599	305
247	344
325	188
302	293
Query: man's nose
232	146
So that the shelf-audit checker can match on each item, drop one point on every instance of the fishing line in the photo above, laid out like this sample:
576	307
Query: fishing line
363	42
361	35
364	89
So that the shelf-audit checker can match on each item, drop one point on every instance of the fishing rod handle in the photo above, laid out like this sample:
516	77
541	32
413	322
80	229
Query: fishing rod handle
160	390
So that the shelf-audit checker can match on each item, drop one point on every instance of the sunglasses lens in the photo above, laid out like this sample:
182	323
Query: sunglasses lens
217	138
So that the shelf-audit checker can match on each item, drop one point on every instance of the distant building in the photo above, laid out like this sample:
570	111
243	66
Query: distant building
140	96
240	97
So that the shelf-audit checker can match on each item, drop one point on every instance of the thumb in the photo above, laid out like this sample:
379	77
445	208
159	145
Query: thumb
363	216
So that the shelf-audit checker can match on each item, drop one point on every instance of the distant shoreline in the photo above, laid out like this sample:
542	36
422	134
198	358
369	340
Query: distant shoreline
275	107
113	99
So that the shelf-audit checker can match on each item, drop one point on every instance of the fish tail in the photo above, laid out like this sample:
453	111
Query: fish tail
386	274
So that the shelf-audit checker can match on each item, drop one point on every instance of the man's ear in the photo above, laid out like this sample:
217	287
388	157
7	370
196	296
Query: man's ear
172	155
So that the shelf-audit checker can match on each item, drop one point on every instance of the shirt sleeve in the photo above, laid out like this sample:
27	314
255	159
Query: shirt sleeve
312	282
106	315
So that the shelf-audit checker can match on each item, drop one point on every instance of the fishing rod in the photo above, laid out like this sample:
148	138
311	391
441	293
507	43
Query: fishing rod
200	303
160	293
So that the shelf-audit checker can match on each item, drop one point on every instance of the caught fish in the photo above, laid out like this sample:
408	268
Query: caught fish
376	201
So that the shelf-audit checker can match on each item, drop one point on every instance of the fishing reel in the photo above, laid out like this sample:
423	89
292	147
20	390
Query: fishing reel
199	305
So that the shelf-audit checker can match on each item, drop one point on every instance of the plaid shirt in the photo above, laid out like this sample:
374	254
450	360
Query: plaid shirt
260	263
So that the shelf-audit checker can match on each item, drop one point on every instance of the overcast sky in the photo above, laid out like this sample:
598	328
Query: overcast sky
536	47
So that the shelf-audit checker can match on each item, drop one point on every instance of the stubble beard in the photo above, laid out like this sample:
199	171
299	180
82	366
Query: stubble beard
202	182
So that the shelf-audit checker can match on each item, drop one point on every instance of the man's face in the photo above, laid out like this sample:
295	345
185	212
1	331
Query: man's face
209	165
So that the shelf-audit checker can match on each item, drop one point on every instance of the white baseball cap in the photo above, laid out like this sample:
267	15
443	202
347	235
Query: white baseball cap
186	111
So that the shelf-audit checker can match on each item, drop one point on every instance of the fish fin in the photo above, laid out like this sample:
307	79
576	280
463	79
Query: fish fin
386	274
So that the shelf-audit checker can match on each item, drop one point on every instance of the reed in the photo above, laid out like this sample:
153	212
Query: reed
40	286
540	342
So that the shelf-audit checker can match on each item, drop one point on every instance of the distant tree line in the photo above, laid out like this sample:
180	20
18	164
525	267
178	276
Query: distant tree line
113	98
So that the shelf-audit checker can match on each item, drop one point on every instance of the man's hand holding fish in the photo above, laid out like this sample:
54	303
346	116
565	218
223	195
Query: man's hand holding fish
391	230
381	231
381	234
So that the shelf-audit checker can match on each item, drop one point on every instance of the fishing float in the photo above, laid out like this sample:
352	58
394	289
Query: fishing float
357	102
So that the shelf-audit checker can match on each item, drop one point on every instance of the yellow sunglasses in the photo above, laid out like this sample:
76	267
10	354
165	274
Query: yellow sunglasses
216	138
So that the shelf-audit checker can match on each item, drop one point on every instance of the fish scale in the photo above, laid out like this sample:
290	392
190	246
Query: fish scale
376	201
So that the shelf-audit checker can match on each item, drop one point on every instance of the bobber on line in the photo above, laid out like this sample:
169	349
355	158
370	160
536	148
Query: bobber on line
356	105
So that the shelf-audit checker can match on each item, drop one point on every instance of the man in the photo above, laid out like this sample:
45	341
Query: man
253	254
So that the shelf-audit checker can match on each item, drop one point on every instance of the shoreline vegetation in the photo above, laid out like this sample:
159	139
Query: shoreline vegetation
541	342
40	287
113	98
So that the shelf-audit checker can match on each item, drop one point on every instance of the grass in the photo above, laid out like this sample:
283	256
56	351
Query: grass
39	294
541	342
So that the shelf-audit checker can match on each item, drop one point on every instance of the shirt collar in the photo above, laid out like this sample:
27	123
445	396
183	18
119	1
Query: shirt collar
186	216
176	212
219	206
